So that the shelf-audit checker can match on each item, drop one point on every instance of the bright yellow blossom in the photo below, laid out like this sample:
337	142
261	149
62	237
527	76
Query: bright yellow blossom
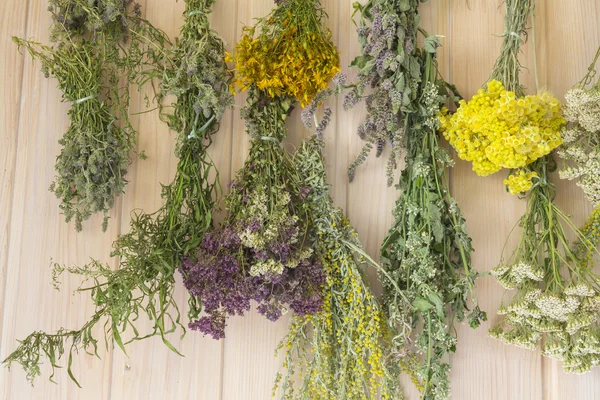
292	55
520	181
496	130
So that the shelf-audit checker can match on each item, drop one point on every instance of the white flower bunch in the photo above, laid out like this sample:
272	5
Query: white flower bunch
581	137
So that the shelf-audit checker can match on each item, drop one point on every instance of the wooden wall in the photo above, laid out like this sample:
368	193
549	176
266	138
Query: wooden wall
243	366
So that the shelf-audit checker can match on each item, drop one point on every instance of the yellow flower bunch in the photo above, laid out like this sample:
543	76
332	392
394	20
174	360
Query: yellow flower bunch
288	53
520	181
337	353
497	129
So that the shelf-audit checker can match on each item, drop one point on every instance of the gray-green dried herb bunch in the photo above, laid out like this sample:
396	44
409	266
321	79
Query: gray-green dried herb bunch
339	352
389	75
96	45
427	252
152	251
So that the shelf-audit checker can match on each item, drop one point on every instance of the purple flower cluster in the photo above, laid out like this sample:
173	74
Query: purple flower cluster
219	278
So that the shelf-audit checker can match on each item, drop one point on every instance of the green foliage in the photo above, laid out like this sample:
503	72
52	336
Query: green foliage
339	352
153	250
427	252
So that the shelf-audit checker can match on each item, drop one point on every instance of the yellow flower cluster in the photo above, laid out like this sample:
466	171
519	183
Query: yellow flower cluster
289	56
497	130
350	323
520	181
346	358
591	233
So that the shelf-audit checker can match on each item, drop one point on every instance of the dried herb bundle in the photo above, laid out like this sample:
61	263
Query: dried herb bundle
340	351
261	252
581	145
557	294
389	75
426	255
427	252
289	52
153	249
95	47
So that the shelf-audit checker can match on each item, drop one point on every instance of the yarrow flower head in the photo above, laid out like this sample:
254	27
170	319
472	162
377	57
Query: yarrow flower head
581	148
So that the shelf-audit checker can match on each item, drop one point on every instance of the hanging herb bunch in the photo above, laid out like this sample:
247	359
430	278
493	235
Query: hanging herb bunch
289	52
556	292
500	127
153	250
581	151
95	46
338	352
581	145
426	256
389	75
262	252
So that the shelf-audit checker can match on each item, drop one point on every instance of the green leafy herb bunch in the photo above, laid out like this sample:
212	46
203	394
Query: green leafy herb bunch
426	256
339	352
154	248
389	75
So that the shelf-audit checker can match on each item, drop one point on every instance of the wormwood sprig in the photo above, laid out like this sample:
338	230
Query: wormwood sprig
340	351
95	47
152	251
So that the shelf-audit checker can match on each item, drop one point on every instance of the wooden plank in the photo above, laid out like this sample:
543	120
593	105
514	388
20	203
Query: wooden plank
484	368
242	366
151	370
564	55
13	19
38	233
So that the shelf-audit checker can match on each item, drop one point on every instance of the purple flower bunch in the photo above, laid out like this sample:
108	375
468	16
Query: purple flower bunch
262	252
220	278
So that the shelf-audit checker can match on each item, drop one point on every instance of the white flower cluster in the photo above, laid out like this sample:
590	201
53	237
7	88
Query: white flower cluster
266	232
509	276
581	141
431	102
268	266
271	224
569	319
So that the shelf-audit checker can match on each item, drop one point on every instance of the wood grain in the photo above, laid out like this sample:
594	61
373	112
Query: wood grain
13	21
243	366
